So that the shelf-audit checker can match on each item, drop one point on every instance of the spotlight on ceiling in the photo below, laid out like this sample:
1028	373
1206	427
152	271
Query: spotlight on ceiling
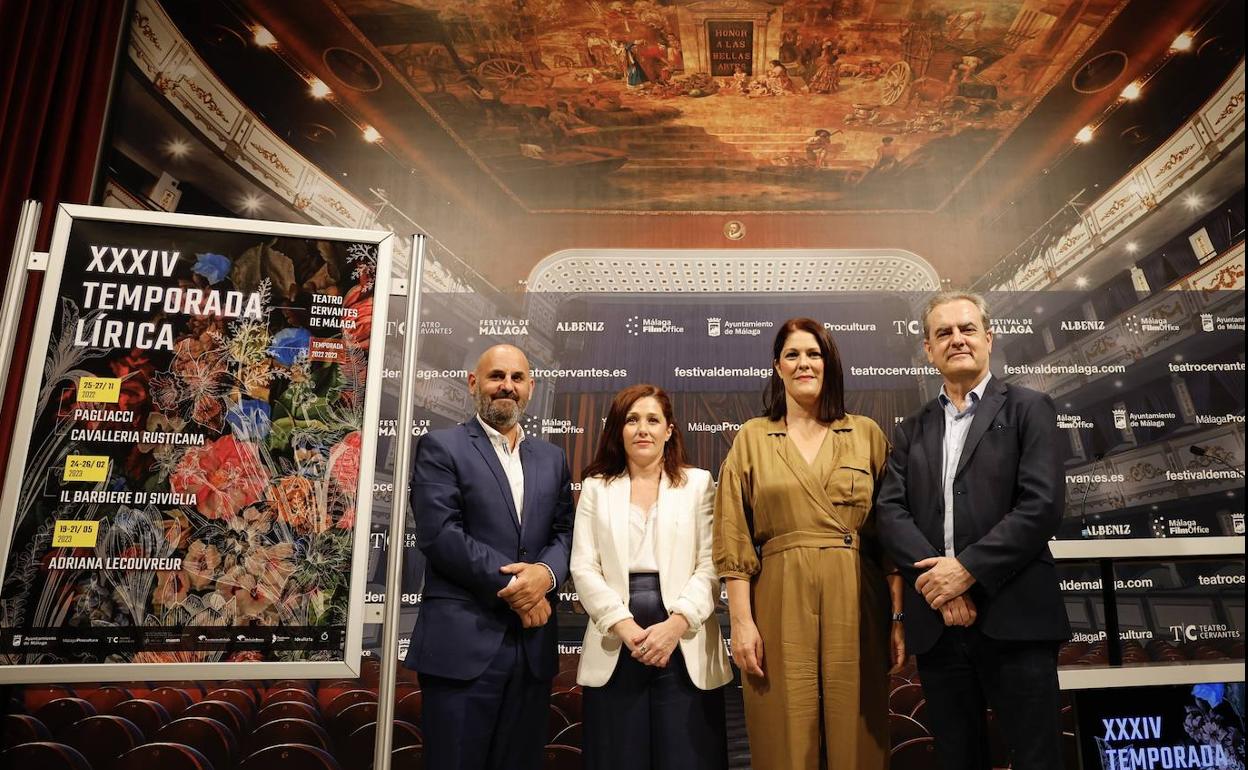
1133	247
1132	91
318	89
1183	42
1193	201
371	134
1081	282
250	203
262	37
177	147
1085	135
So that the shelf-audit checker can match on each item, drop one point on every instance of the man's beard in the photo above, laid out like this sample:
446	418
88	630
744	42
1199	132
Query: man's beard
501	413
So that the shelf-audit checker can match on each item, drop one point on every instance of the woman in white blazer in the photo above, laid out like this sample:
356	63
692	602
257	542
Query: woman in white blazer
653	661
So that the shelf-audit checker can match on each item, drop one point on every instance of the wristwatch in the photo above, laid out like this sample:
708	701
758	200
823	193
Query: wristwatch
897	617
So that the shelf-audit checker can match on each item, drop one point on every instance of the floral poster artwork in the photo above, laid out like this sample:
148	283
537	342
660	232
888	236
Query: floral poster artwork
190	487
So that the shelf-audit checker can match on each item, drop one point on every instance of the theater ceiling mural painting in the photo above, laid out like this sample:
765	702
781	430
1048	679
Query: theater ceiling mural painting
728	105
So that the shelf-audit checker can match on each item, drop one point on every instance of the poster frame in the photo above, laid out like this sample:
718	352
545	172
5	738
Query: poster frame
350	665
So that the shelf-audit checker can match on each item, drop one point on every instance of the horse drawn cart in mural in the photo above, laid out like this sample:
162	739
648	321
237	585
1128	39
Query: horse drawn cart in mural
933	64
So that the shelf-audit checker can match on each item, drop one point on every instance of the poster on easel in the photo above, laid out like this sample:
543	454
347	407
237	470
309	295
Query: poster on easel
191	483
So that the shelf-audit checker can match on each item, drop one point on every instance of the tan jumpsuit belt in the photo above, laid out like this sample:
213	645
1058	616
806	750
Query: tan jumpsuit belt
788	540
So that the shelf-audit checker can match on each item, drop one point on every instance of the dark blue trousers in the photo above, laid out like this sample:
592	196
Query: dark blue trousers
647	718
966	673
494	722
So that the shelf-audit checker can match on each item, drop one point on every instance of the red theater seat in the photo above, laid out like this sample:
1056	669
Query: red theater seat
193	690
902	728
106	698
22	728
175	701
557	721
564	680
288	695
226	713
44	755
243	700
916	754
569	736
288	710
905	698
562	758
287	731
102	739
348	698
36	696
409	706
920	713
350	719
408	758
290	757
61	713
162	756
147	715
251	688
207	736
358	747
569	702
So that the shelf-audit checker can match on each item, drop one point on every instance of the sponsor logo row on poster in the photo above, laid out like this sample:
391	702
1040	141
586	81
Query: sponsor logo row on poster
718	326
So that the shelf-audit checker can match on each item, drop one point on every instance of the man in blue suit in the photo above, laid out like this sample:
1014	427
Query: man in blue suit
494	516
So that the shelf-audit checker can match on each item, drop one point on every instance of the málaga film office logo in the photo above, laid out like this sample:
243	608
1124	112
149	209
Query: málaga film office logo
639	325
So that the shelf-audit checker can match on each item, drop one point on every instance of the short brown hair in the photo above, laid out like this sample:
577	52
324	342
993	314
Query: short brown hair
831	393
945	297
611	461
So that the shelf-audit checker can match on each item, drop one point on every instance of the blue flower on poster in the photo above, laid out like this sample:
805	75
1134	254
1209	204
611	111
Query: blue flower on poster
214	267
289	343
250	420
1209	693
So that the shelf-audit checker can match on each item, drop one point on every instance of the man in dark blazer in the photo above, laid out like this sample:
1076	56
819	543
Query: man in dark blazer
974	492
494	517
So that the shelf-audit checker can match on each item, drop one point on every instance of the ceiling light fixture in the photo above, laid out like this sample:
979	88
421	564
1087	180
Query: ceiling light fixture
1183	42
178	147
371	135
1193	201
318	89
1133	247
251	203
1085	135
1132	91
1081	282
263	37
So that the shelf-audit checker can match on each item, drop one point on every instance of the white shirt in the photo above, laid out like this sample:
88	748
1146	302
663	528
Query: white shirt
642	544
509	458
957	425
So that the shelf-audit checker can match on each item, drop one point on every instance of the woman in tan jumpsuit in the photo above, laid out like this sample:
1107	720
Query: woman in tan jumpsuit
810	618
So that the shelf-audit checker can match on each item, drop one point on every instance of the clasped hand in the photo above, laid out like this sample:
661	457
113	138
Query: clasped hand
526	593
652	646
944	586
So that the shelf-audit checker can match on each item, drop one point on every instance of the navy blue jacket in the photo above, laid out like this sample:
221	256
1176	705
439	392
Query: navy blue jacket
466	527
1009	492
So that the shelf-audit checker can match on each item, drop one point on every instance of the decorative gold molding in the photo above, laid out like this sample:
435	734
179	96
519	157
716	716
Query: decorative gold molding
1175	158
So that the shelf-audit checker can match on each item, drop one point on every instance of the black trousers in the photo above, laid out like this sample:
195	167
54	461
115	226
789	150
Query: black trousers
647	718
966	673
497	721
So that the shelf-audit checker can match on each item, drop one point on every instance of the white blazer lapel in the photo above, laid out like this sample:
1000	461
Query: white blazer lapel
618	494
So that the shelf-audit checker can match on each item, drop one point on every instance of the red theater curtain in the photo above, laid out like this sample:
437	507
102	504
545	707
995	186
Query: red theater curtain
56	64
